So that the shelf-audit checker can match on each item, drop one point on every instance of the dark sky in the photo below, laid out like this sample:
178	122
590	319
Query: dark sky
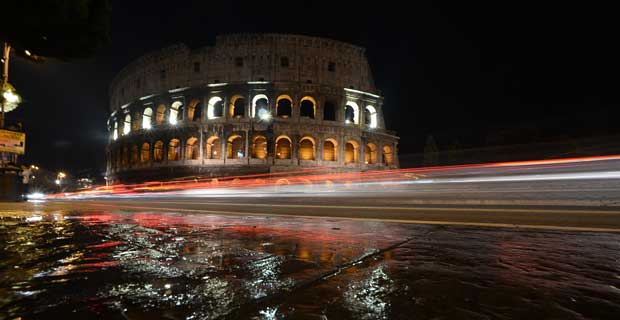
461	71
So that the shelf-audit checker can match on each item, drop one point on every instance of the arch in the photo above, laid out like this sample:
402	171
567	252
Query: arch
145	153
158	151
283	147
236	109
370	153
307	148
174	150
388	156
215	108
213	148
127	124
193	110
307	107
259	102
176	112
351	112
191	149
134	155
147	116
259	147
235	148
329	111
330	152
284	106
115	132
135	123
351	151
370	116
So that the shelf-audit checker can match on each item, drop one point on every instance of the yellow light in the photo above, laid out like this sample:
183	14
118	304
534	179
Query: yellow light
27	53
10	96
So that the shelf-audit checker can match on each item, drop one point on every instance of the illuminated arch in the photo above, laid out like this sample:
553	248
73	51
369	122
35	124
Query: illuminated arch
284	106
145	153
351	152
193	110
330	150
174	150
147	117
127	124
257	101
160	115
215	108
213	148
370	116
176	112
259	147
236	108
307	107
158	151
115	132
283	147
192	151
235	148
351	112
307	148
370	153
388	156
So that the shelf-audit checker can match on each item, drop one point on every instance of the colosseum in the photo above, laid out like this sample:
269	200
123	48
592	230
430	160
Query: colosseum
251	103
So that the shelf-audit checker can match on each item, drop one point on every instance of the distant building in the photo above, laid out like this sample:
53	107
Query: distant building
252	103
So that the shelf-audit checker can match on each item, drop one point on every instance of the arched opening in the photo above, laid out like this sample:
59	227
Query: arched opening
329	150
213	148
215	108
260	106
259	147
388	156
350	152
237	107
235	147
147	115
135	121
115	132
176	112
191	149
145	153
193	110
134	155
158	151
306	149
161	114
174	150
284	106
124	159
370	116
370	153
307	107
351	113
329	111
127	124
283	147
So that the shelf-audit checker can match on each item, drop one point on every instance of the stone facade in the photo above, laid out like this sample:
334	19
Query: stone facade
252	103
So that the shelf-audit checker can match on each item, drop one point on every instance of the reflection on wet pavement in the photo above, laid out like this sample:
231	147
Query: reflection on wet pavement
150	265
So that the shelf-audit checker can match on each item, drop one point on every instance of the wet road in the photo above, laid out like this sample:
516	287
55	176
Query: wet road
80	262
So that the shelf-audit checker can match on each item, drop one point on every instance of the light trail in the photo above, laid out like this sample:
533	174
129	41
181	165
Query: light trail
322	179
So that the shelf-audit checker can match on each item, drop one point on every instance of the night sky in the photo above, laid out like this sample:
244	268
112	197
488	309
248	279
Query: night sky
461	72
